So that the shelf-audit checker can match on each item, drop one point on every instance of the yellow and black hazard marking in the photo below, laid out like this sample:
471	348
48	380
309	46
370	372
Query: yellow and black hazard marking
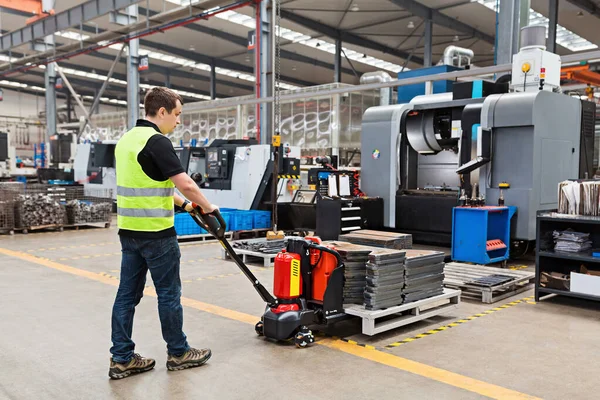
460	322
366	346
289	176
517	267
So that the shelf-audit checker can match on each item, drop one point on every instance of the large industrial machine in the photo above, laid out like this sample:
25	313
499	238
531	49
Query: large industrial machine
238	173
7	157
482	141
94	165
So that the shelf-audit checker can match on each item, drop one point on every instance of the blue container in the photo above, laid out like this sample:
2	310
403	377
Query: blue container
409	92
262	219
185	225
241	220
472	227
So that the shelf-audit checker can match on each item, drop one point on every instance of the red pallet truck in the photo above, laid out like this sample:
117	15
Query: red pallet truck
308	285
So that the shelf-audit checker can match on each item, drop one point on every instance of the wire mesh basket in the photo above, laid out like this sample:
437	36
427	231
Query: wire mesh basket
7	210
88	206
40	206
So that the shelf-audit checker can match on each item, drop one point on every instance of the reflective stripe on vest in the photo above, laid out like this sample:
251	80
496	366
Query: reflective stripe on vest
143	204
145	192
145	212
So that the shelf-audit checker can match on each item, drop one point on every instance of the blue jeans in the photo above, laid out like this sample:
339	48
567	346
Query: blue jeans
161	257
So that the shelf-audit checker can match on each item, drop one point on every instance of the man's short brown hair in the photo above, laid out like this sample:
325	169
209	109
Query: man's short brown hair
158	97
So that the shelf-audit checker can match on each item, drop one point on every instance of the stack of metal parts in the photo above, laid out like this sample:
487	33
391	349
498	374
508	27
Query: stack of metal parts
81	212
38	209
424	274
261	245
355	260
388	240
385	279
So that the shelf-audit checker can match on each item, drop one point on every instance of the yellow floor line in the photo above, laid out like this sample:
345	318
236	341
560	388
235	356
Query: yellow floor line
380	357
427	371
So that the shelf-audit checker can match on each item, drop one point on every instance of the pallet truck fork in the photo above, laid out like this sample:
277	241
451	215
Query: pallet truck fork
308	284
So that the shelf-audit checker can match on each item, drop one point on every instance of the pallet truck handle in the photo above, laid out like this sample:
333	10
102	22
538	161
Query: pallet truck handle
212	222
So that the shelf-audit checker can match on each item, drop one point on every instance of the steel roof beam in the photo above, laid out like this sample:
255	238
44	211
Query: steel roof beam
240	41
49	25
441	19
346	36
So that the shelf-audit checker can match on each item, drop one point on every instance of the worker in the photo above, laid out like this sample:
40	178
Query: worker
148	170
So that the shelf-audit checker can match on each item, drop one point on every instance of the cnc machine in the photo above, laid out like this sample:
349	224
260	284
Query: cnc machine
480	141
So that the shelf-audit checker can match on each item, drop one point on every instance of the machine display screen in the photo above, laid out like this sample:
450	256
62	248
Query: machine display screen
213	156
196	163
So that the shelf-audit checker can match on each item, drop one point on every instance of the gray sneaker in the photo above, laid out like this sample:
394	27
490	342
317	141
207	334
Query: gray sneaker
136	365
190	359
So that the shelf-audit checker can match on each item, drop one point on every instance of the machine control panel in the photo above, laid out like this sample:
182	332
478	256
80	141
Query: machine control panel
217	163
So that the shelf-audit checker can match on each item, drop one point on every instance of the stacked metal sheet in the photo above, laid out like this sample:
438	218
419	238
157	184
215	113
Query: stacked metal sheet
388	240
261	245
385	279
424	274
355	259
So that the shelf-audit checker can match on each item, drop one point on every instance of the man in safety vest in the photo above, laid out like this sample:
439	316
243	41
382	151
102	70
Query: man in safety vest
148	170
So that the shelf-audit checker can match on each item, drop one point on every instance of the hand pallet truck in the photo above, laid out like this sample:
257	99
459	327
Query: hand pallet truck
308	284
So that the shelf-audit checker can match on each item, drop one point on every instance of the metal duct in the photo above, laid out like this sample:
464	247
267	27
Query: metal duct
379	77
453	52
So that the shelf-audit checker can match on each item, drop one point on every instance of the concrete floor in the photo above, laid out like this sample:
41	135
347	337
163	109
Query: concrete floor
57	289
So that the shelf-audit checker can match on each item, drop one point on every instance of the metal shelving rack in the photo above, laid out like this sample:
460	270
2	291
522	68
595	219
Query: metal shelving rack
550	260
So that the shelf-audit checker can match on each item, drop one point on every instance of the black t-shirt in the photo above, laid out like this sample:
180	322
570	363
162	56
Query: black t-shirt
160	162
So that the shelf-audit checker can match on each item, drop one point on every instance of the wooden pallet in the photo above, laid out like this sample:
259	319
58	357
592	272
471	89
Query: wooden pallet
59	228
105	224
248	256
378	321
458	276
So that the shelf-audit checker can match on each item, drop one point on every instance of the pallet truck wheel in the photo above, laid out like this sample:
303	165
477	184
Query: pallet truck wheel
259	328
302	340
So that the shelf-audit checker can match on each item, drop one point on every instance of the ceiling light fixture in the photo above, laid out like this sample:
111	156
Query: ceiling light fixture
456	38
411	25
355	7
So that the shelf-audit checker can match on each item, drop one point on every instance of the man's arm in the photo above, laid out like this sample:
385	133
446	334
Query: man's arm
190	190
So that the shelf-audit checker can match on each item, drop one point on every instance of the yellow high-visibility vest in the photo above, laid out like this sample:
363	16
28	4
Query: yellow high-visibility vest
143	204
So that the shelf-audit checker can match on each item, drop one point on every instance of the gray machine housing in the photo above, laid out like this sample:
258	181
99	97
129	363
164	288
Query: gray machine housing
535	144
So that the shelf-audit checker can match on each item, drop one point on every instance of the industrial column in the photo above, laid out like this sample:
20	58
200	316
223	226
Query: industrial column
508	31
428	43
133	75
50	82
337	73
266	77
553	17
213	80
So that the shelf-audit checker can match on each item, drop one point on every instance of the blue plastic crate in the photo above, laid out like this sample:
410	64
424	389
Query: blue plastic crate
241	220
185	225
262	219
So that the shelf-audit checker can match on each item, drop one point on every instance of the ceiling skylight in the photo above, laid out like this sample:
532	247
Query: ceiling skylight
184	62
301	38
564	37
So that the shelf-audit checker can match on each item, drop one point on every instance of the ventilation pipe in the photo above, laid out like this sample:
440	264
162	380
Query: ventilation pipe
453	52
385	94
